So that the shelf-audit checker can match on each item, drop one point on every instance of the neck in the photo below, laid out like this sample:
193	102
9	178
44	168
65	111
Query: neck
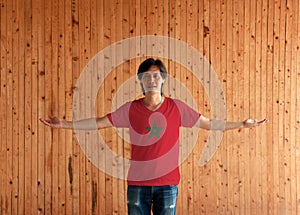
153	100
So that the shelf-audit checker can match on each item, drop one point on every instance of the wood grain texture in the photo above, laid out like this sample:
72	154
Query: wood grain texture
253	47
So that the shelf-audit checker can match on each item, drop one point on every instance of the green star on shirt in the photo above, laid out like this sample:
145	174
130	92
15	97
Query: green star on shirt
154	131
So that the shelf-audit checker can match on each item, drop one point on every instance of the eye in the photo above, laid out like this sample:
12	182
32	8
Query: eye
146	76
156	76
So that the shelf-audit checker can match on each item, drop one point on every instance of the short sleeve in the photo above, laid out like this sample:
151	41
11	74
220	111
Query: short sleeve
120	117
188	116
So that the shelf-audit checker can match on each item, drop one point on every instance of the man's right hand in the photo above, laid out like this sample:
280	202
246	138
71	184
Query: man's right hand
53	122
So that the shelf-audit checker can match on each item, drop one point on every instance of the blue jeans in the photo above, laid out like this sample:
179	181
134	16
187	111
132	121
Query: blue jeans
162	200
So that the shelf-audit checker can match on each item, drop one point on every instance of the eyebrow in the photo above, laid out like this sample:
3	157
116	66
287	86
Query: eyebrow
152	71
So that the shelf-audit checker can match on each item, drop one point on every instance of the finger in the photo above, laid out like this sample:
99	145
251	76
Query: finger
54	119
263	121
249	121
45	121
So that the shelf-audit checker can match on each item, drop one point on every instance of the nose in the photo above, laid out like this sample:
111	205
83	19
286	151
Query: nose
152	78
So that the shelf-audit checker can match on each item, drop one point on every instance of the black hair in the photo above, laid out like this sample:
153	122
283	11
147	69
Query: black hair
145	66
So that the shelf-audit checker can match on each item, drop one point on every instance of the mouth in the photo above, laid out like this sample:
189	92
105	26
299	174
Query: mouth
151	86
152	89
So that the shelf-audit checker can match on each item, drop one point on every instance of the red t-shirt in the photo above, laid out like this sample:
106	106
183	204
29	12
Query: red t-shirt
154	138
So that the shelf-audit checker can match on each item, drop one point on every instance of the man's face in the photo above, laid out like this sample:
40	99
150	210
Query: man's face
152	80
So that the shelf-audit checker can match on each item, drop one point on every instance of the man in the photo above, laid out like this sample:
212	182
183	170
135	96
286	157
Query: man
154	122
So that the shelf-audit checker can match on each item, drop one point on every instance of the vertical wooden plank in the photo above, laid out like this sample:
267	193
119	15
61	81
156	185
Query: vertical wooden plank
216	59
177	70
293	11
192	28
62	73
15	107
128	13
5	197
218	69
9	108
86	7
264	107
202	33
27	118
172	66
171	33
212	191
34	108
48	106
1	157
229	101
252	107
297	18
257	109
68	115
150	19
134	25
40	22
233	114
143	26
74	170
94	49
118	28
117	22
101	8
205	47
242	153
287	106
108	14
94	154
55	106
247	71
270	141
101	44
183	31
239	103
275	111
83	189
1	119
223	78
282	100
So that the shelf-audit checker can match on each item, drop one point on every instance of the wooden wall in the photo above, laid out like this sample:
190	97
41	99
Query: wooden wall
253	46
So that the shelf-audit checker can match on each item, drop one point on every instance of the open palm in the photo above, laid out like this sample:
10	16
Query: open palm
53	122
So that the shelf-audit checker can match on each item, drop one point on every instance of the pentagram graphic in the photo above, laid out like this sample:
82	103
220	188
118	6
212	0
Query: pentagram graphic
154	130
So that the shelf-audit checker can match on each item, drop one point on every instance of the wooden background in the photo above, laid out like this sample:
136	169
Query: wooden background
253	46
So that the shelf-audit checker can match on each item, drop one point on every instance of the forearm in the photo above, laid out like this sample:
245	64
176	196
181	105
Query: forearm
84	124
222	125
234	125
89	124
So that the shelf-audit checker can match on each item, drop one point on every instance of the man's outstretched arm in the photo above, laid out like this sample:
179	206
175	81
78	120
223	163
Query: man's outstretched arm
84	124
210	124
